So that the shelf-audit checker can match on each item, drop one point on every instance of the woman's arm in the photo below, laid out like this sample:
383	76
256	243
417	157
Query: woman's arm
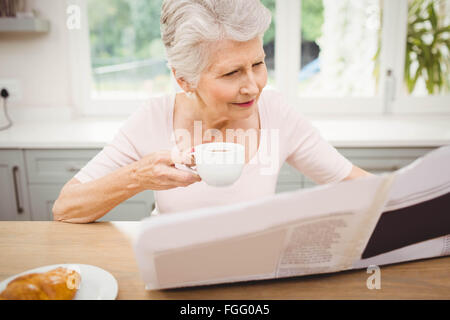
87	202
357	173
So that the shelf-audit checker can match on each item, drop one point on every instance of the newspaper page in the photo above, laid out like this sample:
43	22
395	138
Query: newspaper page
295	233
331	243
415	222
319	230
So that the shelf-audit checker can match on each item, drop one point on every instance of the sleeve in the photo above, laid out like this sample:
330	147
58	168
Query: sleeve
308	151
120	152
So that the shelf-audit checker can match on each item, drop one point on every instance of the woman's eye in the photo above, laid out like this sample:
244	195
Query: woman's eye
230	73
235	71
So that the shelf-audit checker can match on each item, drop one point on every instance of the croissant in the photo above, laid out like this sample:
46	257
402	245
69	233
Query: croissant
56	284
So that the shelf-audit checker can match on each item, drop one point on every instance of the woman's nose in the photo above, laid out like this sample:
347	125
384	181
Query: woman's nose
250	86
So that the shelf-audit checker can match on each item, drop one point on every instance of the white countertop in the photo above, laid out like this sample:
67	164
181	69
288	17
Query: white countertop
340	131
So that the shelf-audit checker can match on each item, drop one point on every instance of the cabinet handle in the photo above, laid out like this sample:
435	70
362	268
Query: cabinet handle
391	168
73	169
16	189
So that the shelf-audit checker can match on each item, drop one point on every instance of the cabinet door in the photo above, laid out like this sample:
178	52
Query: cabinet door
51	166
383	160
373	160
289	179
133	209
14	203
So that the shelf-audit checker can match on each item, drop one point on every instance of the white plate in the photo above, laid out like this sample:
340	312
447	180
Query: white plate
96	283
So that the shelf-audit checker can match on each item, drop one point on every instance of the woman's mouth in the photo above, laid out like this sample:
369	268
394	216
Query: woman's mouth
245	104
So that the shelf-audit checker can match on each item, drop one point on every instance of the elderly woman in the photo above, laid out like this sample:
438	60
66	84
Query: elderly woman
215	51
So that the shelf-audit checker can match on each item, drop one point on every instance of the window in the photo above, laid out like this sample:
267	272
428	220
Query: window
269	42
351	55
427	58
339	44
327	56
126	57
422	78
127	54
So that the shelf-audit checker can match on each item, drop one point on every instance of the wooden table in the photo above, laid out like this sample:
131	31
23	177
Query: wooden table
108	245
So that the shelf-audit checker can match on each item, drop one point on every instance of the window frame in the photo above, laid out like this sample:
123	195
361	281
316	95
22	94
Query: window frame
392	56
81	76
287	66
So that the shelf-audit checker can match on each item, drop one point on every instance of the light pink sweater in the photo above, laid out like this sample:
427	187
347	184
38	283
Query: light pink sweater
285	136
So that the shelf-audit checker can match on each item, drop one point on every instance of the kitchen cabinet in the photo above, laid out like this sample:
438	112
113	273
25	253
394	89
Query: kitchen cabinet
289	179
14	203
55	166
134	209
48	171
23	25
31	179
373	160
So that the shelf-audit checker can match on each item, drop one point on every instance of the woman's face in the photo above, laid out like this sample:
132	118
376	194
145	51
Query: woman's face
232	83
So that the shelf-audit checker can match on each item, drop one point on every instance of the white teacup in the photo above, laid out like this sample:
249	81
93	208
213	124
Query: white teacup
219	163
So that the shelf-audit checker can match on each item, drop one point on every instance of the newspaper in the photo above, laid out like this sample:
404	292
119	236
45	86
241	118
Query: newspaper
396	217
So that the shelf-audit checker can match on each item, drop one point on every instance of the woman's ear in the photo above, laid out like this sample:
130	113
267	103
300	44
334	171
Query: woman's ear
181	82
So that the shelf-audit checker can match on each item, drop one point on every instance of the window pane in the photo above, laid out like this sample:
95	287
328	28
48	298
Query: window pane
339	50
427	60
269	42
127	53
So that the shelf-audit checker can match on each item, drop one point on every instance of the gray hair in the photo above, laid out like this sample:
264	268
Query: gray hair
189	26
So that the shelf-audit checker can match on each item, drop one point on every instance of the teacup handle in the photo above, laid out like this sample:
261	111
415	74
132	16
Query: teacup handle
184	167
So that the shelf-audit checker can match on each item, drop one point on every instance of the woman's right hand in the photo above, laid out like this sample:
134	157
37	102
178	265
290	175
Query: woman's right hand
156	171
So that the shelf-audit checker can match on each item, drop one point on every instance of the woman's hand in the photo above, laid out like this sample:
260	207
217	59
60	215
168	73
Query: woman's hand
357	173
157	171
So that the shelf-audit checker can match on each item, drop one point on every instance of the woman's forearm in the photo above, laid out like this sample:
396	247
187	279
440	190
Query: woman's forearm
357	173
87	202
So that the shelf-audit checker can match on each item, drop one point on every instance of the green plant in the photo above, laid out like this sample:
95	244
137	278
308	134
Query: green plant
427	47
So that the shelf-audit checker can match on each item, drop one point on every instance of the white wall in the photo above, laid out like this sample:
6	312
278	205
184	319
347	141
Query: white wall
39	61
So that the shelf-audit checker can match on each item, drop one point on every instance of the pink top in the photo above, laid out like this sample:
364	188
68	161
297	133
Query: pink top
286	135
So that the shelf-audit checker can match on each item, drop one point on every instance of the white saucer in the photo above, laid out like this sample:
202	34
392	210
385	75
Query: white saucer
96	283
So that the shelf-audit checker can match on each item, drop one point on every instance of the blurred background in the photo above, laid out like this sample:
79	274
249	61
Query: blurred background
372	75
340	47
371	49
